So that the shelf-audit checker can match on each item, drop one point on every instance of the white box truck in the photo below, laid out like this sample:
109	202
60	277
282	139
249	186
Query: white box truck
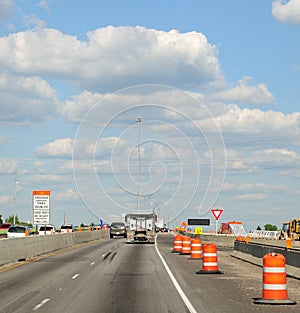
141	227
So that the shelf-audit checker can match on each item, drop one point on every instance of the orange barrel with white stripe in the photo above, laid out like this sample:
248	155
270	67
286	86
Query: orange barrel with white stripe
274	280
210	260
177	246
274	277
196	248
186	245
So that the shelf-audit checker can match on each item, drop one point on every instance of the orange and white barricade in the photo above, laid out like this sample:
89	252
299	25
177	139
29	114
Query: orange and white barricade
274	280
177	245
186	245
196	249
210	260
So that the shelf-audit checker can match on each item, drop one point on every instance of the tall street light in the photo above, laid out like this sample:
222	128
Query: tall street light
139	121
15	200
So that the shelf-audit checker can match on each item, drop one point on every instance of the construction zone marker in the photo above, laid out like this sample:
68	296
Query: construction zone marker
186	245
196	249
210	260
177	247
274	281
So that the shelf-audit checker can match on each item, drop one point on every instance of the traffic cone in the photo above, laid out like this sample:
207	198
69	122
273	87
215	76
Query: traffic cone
177	247
210	260
186	245
274	280
196	249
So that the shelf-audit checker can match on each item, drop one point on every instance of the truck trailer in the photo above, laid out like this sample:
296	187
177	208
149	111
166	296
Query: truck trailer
141	227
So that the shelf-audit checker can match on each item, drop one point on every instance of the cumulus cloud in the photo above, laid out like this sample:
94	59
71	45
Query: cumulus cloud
58	148
6	8
114	57
257	122
246	94
26	99
286	11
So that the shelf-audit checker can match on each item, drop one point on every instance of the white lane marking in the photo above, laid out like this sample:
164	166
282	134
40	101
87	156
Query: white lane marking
75	276
177	286
92	263
40	304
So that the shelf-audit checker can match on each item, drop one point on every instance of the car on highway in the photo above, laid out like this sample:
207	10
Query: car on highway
46	230
15	231
118	229
67	228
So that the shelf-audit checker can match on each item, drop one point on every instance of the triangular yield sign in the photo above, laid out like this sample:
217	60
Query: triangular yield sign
216	213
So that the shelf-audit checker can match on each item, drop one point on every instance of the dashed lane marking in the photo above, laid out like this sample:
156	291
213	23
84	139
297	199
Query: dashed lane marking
38	306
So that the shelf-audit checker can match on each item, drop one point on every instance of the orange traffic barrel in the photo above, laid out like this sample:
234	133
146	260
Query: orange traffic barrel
210	260
196	248
186	245
240	238
177	245
274	280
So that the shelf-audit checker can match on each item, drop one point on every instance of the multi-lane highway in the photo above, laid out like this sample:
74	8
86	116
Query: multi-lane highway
112	276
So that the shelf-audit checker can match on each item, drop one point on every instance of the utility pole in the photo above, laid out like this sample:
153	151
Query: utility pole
15	200
139	120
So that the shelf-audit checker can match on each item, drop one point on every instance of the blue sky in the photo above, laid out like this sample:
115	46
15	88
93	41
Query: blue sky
217	86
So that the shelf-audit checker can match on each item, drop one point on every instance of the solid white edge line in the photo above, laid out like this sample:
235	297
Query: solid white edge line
177	286
40	304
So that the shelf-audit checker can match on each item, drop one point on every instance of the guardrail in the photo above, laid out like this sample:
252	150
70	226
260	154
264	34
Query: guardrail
20	249
258	250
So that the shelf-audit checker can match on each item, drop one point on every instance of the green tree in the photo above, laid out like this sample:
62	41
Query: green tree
1	221
270	227
10	219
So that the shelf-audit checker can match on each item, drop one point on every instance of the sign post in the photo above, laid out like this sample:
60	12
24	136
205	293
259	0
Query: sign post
216	213
41	206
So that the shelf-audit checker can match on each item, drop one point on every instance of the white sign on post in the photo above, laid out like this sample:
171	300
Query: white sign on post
216	213
41	206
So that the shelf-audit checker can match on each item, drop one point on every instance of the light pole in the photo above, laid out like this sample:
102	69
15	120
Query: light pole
15	200
139	121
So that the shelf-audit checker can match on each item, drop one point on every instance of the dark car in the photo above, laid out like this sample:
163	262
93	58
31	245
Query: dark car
118	229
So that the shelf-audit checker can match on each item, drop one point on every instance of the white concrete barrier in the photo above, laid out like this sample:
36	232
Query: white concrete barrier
26	248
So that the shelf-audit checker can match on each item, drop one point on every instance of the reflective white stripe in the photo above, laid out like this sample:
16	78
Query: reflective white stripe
196	244
194	252
178	241
209	254
274	269
210	264
186	242
274	287
186	248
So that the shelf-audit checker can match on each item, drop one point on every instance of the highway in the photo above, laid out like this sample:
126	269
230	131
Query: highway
112	276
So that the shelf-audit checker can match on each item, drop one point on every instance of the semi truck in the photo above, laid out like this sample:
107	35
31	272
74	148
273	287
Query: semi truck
141	227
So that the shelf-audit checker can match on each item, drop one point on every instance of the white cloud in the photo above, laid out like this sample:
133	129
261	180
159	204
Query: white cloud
246	94
67	195
251	197
257	122
114	57
6	8
286	11
8	166
58	148
26	99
